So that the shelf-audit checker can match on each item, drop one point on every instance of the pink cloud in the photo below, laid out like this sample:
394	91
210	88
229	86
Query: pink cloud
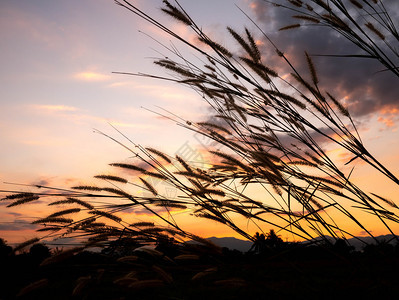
389	116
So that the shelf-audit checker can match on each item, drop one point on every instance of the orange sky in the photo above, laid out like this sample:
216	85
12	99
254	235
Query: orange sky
57	86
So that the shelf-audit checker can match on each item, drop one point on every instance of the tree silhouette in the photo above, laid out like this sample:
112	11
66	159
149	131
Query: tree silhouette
273	240
259	243
5	250
262	243
38	252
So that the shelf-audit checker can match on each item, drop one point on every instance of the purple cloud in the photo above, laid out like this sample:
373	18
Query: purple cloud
17	225
360	81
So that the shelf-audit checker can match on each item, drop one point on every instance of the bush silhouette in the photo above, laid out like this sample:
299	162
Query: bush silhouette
39	252
5	250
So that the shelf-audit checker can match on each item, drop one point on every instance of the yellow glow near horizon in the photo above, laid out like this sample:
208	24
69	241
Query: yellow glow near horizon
55	108
91	76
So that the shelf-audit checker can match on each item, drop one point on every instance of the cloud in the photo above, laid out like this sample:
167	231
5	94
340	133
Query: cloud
54	108
64	242
119	84
132	125
75	115
359	81
15	214
18	225
177	98
43	181
390	117
364	233
30	27
164	92
92	76
52	35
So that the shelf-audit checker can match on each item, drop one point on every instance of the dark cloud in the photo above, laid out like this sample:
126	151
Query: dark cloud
17	225
64	242
138	211
364	233
15	214
359	81
44	181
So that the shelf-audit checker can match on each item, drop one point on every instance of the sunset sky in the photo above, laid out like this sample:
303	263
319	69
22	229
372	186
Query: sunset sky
57	85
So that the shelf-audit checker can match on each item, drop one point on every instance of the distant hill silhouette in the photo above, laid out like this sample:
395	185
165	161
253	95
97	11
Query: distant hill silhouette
231	243
359	242
244	245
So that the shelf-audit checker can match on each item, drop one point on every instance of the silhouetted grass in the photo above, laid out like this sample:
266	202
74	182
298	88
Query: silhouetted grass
125	269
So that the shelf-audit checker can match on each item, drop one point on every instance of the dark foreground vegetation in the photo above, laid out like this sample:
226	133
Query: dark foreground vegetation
269	130
271	270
